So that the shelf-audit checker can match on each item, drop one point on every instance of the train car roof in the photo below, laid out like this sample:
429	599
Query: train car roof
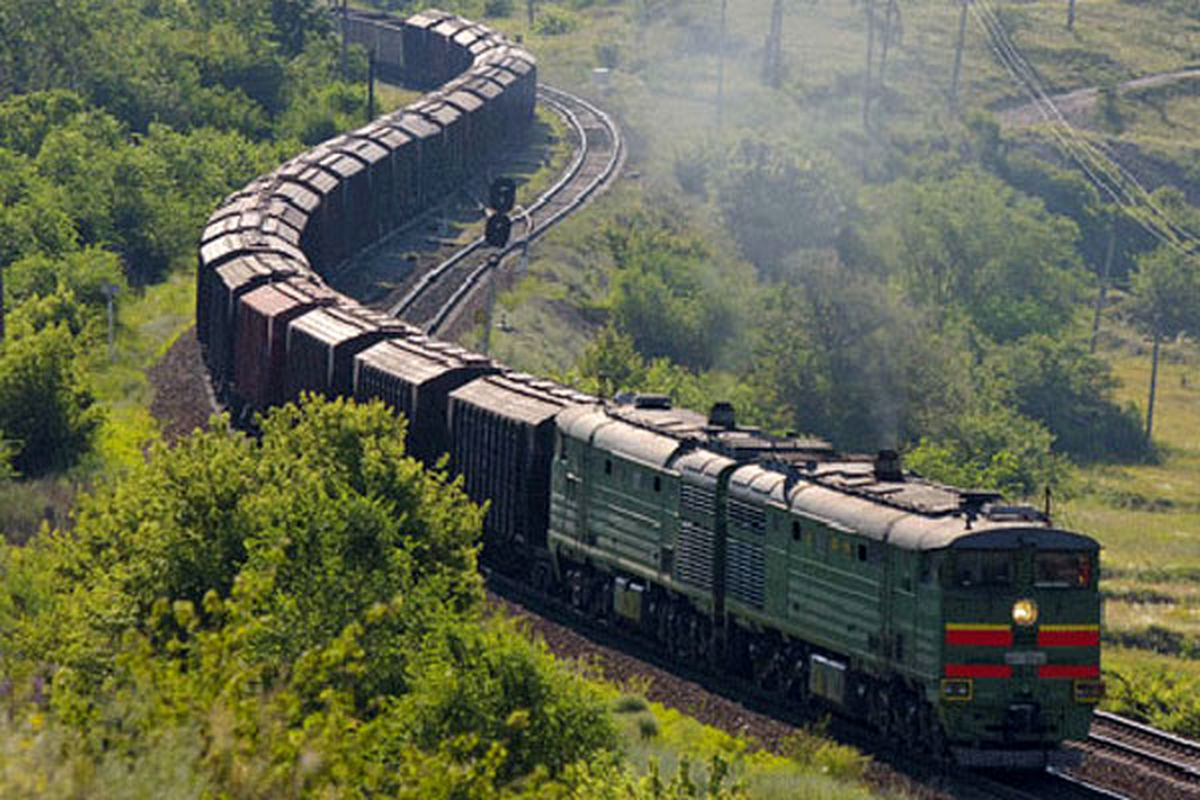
282	296
517	400
702	462
415	363
335	325
427	18
414	125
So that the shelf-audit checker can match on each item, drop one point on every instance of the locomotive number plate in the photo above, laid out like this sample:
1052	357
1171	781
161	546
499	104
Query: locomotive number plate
1025	658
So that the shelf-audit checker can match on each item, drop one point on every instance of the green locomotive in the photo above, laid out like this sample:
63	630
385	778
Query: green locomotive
942	617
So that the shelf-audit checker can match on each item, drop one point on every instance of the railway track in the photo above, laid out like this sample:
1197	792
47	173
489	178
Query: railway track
1156	763
439	294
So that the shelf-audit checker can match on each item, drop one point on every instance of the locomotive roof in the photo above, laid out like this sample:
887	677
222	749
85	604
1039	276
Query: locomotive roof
908	512
654	413
871	497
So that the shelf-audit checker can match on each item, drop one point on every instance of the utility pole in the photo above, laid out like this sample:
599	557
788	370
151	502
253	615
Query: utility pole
529	10
493	276
370	84
1153	378
1102	295
1070	15
892	11
773	54
721	68
345	59
870	7
958	51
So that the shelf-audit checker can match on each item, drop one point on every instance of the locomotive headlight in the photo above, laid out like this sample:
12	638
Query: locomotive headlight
1025	612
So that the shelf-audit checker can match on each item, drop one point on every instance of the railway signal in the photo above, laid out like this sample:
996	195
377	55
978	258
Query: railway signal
498	228
502	194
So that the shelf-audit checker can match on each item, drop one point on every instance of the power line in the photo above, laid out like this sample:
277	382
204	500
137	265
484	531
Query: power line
1081	149
1096	161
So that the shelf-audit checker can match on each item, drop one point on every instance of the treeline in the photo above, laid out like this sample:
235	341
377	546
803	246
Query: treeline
946	310
122	124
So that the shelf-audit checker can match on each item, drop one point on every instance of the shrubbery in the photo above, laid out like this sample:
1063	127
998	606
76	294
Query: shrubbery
307	605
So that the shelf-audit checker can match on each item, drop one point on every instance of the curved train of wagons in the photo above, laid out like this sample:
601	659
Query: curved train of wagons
945	618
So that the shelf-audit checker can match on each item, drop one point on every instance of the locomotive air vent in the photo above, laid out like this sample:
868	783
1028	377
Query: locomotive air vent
998	513
887	466
722	415
656	401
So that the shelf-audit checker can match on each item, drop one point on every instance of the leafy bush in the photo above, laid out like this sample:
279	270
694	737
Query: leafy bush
499	689
667	293
554	21
45	409
1058	383
994	449
971	248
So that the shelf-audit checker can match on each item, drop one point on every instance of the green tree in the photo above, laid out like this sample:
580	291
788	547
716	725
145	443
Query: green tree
840	356
995	449
971	246
1058	383
305	604
305	529
669	292
776	198
44	406
1166	289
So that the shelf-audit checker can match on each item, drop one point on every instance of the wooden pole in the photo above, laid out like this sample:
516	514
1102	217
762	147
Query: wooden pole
1070	15
721	67
958	51
887	38
773	58
1153	380
370	84
870	8
1102	295
345	66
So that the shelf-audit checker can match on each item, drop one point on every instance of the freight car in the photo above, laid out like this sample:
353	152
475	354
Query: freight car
944	618
298	222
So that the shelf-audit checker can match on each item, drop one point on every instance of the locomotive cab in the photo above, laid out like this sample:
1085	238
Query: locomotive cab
1021	648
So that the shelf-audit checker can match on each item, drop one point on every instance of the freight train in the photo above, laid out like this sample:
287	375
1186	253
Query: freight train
945	618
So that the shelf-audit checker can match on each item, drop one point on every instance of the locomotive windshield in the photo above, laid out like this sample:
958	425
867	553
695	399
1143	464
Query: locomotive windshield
982	568
1062	570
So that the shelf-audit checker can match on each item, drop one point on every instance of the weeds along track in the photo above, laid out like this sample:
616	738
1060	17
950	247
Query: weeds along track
438	295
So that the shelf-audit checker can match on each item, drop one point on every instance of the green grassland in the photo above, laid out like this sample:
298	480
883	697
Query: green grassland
1147	516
